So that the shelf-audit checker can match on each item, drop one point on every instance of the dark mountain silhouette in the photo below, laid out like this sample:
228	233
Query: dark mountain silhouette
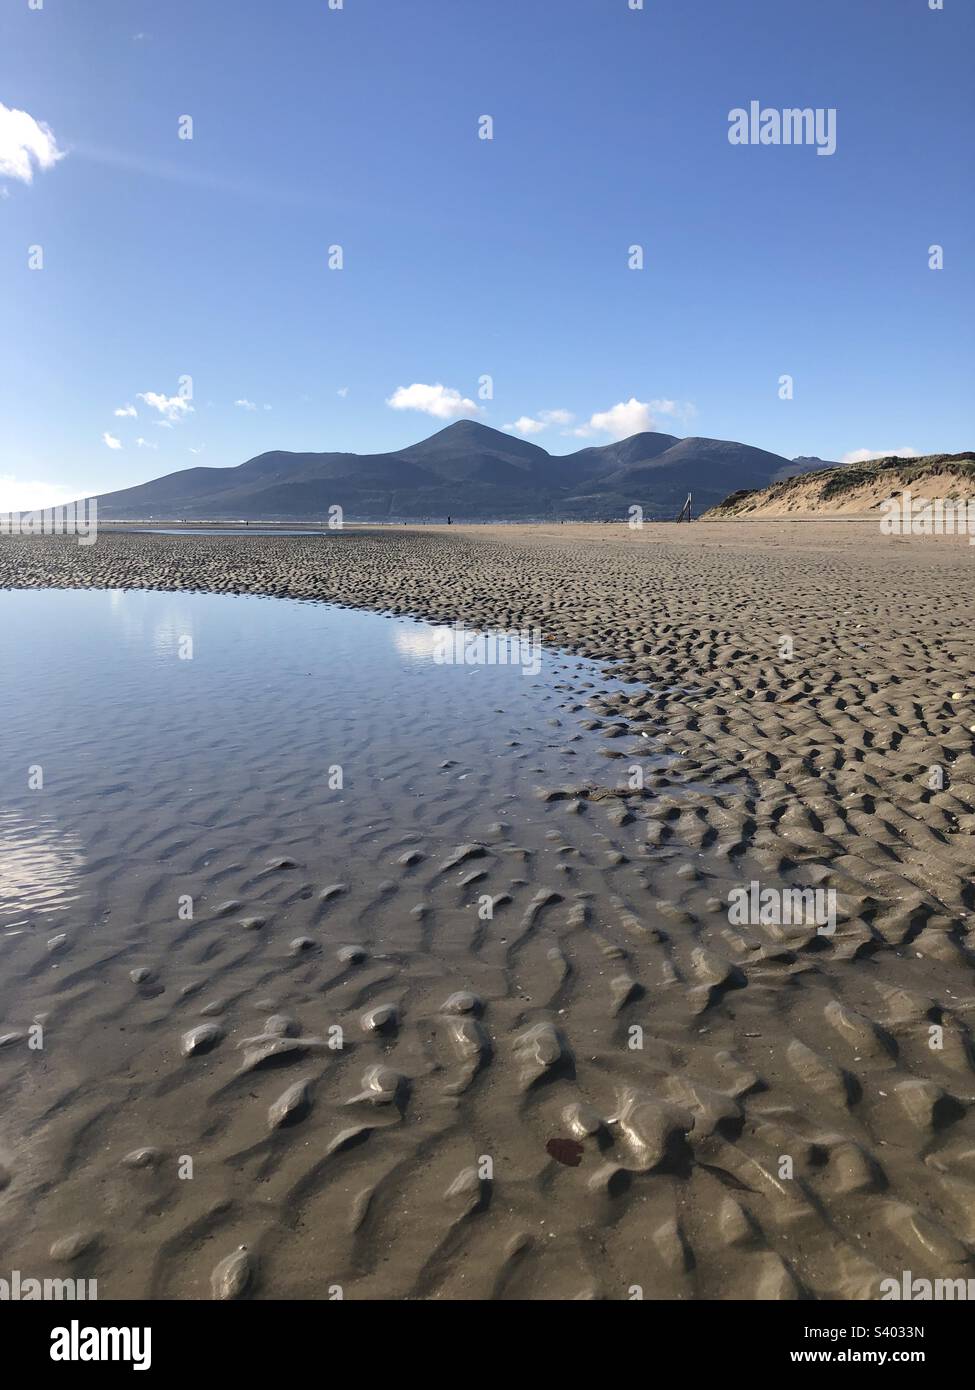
467	470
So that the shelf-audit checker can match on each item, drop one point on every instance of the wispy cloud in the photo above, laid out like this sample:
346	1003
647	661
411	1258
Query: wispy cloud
676	410
24	143
127	412
172	408
441	401
535	424
245	404
146	444
189	175
111	440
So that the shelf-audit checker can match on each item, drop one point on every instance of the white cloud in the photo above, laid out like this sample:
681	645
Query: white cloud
632	417
145	444
25	142
343	391
534	424
171	407
197	451
18	495
246	405
620	421
441	401
127	412
111	441
865	455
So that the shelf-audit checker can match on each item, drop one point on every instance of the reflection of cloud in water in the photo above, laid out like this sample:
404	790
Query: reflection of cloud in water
39	865
471	647
166	629
168	632
420	643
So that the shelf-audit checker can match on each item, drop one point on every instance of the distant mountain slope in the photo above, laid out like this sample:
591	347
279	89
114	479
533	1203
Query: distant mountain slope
466	470
853	489
803	465
711	462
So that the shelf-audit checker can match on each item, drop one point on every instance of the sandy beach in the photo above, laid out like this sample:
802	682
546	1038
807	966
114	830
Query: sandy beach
611	1083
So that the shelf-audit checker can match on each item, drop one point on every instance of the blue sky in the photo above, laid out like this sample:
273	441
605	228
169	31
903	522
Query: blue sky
166	259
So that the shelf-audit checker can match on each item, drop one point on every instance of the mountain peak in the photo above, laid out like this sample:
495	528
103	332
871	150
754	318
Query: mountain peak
466	429
471	438
465	469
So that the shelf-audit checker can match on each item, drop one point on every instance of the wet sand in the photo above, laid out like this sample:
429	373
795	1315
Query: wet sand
605	1085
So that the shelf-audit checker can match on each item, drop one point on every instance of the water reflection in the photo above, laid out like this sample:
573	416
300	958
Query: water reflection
151	744
39	867
419	643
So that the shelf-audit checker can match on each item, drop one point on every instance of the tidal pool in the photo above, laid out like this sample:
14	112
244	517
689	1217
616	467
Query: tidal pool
137	724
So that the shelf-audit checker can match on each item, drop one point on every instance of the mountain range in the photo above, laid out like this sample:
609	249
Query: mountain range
468	471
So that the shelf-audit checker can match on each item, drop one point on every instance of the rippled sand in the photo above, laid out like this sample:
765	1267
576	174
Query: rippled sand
604	1084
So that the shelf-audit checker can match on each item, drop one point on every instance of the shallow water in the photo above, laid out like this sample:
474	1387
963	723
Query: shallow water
143	716
508	969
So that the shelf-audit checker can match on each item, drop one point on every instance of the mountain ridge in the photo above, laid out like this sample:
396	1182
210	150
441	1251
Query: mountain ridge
467	470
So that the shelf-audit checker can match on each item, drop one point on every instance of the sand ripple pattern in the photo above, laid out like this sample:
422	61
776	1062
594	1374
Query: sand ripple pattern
487	1128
